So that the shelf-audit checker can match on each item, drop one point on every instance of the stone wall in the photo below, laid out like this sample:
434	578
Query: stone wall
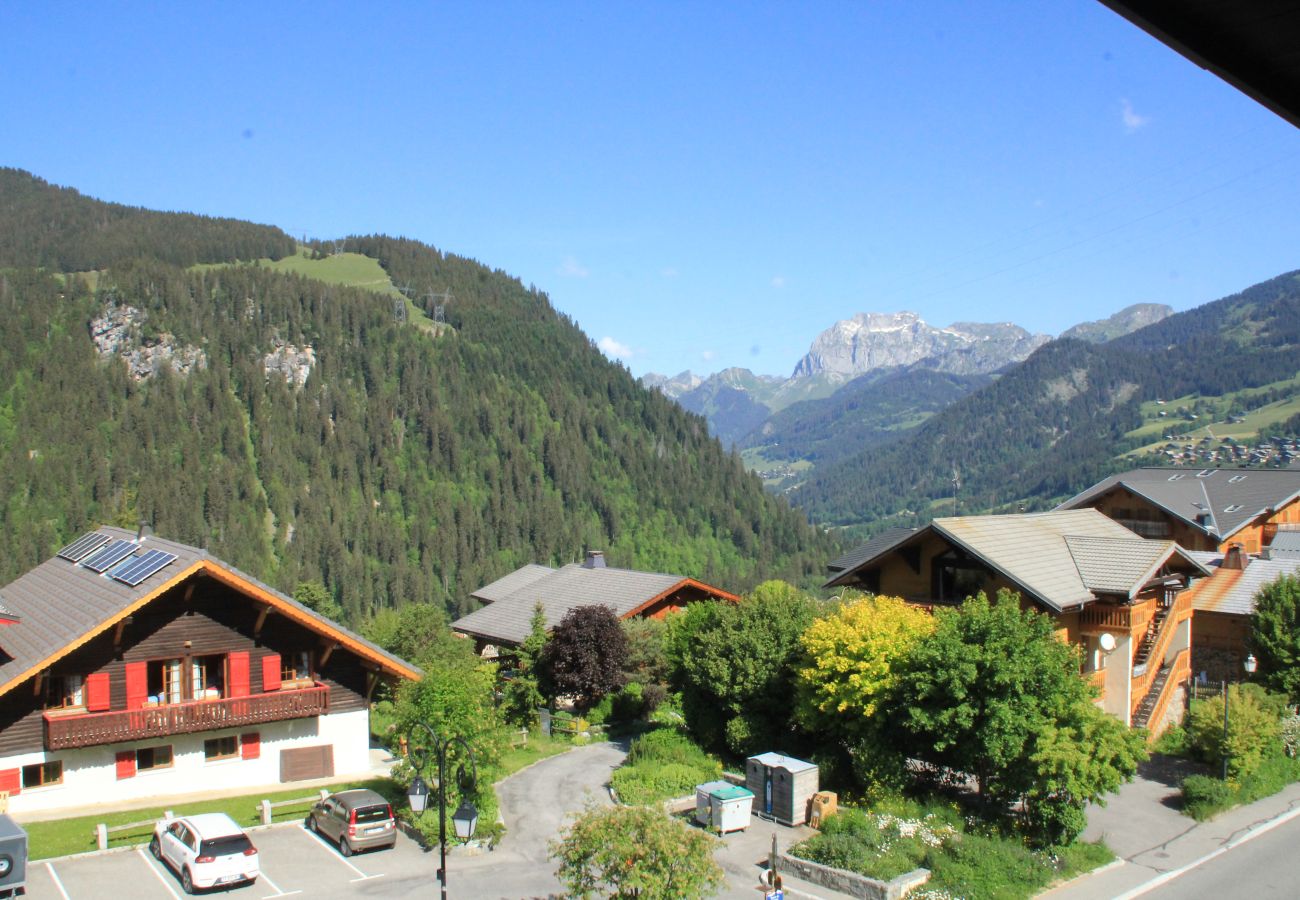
851	883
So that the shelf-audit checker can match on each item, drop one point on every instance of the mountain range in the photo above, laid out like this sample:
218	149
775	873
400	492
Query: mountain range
858	356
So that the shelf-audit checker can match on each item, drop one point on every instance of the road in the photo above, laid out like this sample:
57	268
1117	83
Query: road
1265	867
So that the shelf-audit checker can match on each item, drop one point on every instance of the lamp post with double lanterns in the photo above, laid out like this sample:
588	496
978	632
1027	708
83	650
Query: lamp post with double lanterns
465	818
1250	665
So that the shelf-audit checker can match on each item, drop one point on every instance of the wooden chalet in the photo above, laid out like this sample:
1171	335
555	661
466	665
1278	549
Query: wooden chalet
1120	598
506	617
133	666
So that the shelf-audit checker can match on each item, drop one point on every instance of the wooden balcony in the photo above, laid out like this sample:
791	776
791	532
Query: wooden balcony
63	731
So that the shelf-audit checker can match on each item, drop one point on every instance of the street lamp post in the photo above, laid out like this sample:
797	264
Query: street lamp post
465	818
1250	665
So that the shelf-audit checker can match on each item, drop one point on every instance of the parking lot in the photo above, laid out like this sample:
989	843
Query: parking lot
294	863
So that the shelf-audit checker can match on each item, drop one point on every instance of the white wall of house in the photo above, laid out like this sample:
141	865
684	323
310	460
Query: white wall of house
1119	679
90	773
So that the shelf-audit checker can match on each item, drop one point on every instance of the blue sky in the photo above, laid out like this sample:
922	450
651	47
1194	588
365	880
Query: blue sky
700	185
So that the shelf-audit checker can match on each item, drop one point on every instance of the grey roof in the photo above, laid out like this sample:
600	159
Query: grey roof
1233	591
519	578
1063	558
1285	543
1232	498
62	604
871	549
507	618
781	761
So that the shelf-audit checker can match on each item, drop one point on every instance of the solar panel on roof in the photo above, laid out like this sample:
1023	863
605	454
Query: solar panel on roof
83	545
113	553
134	571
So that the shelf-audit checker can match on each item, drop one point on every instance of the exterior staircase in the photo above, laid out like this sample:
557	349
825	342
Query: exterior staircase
1142	717
1149	640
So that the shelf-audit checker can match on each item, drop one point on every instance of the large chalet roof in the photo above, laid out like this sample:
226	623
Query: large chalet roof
509	612
62	604
1233	590
1061	559
1218	502
886	540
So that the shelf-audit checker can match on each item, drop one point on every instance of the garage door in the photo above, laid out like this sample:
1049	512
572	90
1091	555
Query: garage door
303	763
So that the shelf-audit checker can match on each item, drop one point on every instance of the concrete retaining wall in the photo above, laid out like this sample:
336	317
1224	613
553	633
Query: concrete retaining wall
851	883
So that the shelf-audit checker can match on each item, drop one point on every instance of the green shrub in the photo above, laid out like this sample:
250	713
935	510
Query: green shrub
628	704
1275	773
600	713
988	867
1254	728
1173	742
661	765
1204	796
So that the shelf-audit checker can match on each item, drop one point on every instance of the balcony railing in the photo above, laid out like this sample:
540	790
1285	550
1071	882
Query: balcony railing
63	731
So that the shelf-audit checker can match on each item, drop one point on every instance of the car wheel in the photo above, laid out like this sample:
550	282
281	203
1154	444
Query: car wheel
311	824
187	883
155	848
344	847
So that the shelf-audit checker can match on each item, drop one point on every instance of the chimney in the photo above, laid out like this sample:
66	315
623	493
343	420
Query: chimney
595	560
143	531
1235	558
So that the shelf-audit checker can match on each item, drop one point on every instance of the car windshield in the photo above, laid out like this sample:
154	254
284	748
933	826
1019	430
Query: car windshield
225	846
372	813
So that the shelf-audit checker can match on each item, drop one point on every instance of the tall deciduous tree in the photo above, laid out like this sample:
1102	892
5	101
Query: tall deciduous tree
738	666
584	656
976	694
623	851
1275	636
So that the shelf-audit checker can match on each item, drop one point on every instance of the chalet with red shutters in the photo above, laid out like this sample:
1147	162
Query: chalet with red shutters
132	666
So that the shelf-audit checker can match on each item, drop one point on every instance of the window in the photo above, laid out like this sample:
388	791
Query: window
208	677
43	774
63	691
296	666
165	681
221	748
147	758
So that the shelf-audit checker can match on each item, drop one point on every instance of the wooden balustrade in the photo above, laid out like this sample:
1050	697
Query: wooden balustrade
1181	611
1182	671
63	731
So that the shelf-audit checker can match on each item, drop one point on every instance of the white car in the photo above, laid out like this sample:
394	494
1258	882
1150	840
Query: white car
205	850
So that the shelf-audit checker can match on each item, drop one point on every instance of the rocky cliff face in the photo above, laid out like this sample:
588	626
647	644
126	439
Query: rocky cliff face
673	386
870	341
118	332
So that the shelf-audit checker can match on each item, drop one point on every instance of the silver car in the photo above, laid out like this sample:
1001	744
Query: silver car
356	820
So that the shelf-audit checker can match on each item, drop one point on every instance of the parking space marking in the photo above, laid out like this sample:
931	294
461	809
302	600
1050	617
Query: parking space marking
325	845
149	861
57	883
278	892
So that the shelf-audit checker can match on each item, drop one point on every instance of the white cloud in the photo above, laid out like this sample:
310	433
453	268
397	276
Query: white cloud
708	355
778	281
614	349
571	268
1132	120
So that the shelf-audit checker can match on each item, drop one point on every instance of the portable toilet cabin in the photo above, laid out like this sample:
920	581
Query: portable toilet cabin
783	785
722	806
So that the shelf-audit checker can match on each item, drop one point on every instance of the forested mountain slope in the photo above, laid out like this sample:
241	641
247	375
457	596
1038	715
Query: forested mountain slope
405	467
1055	423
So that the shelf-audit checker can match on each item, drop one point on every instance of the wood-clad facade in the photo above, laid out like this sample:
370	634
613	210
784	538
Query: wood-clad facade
207	682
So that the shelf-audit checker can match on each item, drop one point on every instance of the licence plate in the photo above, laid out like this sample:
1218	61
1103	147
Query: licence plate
376	828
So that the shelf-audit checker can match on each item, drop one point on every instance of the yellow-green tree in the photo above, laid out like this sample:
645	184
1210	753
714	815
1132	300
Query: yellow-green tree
849	660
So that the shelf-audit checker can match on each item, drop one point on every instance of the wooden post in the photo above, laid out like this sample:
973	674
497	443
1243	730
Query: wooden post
265	807
101	836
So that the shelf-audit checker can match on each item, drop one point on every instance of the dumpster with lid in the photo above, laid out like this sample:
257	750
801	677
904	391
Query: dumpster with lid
783	785
722	806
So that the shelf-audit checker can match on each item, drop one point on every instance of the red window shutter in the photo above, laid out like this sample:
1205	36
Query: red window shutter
250	745
239	674
126	764
97	699
271	672
11	780
137	685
